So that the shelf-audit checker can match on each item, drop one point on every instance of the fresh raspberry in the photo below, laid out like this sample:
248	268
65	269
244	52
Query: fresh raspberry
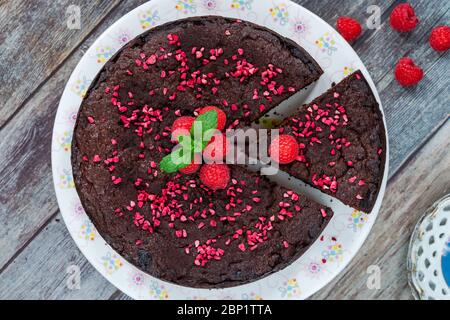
193	167
440	38
407	73
403	18
284	149
221	116
181	126
349	28
217	149
215	176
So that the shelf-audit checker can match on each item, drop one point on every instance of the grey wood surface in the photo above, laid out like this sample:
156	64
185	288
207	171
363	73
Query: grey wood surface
42	50
38	53
409	193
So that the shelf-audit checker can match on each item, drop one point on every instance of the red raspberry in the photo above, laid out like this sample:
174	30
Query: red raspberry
284	149
349	28
193	167
440	38
182	125
221	116
403	18
215	176
407	73
217	149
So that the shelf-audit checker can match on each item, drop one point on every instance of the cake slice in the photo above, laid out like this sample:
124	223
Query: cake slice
342	143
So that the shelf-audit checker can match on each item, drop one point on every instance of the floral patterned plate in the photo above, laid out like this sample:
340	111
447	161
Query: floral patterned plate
343	236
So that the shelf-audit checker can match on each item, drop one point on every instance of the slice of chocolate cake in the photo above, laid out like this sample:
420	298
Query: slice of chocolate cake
171	225
342	143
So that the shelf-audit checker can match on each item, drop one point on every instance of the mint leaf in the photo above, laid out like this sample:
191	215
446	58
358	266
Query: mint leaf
204	126
178	159
203	129
167	165
185	142
208	121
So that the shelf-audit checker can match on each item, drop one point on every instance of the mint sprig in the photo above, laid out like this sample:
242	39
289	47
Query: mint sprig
179	157
200	134
207	120
203	129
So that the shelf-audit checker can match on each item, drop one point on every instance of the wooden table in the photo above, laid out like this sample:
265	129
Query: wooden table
37	54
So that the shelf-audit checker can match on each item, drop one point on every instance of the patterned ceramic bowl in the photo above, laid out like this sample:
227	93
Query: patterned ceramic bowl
429	254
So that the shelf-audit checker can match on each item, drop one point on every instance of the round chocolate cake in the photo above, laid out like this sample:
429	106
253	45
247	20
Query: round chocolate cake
236	227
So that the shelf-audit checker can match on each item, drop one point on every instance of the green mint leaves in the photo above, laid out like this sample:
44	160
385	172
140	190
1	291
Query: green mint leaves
207	121
180	157
203	129
201	133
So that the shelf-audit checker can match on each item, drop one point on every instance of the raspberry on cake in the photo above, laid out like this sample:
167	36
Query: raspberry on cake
221	117
215	176
284	149
194	166
210	226
181	126
217	149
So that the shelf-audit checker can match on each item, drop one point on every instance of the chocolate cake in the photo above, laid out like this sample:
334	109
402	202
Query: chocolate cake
171	225
342	143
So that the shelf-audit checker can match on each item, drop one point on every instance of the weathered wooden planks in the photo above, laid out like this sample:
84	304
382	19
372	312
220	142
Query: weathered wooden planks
26	195
425	179
26	189
40	271
25	171
381	49
411	114
35	40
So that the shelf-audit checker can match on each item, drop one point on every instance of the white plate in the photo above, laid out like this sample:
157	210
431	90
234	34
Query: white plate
346	231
